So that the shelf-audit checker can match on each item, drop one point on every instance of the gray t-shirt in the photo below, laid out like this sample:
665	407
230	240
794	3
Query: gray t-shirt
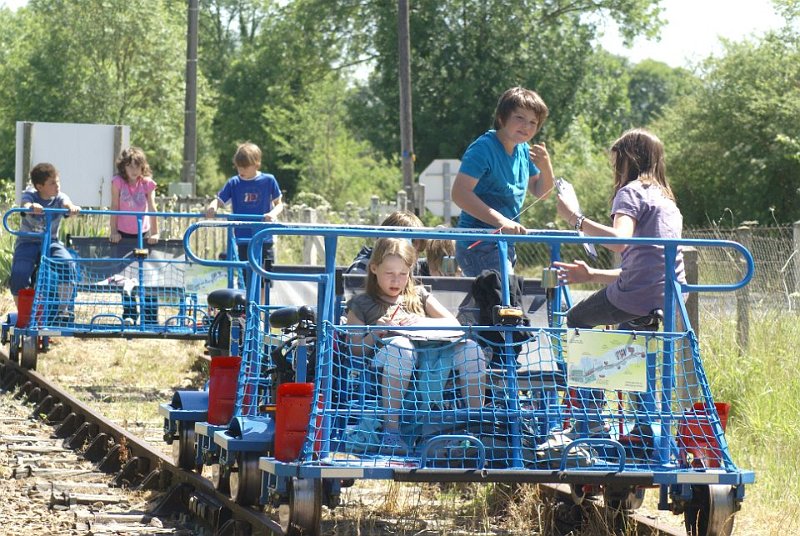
35	223
640	287
370	309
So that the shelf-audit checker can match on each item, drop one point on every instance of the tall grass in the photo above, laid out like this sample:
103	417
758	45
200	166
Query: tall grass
762	384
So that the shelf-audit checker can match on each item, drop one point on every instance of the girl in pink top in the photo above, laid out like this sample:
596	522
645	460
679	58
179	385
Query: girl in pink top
133	189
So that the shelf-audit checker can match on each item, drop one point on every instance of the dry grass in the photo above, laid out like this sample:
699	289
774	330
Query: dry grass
129	378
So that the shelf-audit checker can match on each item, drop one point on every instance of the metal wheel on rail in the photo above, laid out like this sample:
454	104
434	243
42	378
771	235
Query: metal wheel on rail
303	515
183	448
221	478
29	352
245	479
711	511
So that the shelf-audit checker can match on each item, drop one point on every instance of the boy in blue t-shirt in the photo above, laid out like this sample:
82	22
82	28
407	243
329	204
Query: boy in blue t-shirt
44	192
250	192
496	171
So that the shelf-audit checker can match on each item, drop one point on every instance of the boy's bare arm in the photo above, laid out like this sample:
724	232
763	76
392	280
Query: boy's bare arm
36	207
542	184
211	209
277	208
72	208
467	200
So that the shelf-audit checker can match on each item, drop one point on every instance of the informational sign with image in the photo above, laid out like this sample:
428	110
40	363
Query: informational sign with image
604	360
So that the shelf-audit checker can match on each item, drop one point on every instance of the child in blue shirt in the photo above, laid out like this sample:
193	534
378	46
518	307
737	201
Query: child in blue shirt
496	171
44	192
250	192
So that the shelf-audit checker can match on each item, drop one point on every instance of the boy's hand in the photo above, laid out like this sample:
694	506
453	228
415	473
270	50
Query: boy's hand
73	209
36	208
114	237
512	227
539	155
211	211
152	239
269	217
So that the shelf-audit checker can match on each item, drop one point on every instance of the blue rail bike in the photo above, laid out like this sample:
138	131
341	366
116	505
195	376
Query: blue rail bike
621	411
129	289
227	426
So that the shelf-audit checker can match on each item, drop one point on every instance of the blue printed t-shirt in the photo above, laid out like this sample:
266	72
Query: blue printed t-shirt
502	177
250	196
640	286
35	223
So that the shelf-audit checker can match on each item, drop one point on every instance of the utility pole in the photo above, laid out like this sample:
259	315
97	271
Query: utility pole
189	168
406	132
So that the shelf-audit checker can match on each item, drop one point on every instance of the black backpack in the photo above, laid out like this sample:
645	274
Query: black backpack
486	294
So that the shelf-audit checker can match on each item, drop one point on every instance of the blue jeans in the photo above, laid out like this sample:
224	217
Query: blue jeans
484	256
26	258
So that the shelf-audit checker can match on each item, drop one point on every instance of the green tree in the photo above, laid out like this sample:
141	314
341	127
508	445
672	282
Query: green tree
275	68
653	85
466	52
101	61
735	143
312	135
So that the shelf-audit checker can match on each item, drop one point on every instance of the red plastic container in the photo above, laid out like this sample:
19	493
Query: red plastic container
222	383
292	414
696	435
24	306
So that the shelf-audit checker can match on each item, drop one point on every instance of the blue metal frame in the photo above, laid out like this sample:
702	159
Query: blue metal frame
316	462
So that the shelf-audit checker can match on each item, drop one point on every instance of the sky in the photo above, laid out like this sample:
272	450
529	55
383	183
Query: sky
692	31
694	27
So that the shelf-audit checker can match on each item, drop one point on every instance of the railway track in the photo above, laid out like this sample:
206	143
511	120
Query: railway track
109	464
129	462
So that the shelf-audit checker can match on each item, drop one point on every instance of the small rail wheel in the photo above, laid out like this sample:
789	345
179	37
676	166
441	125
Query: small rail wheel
183	448
305	508
30	351
711	511
245	479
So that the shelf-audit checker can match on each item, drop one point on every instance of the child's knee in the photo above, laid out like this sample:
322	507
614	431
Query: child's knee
473	359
